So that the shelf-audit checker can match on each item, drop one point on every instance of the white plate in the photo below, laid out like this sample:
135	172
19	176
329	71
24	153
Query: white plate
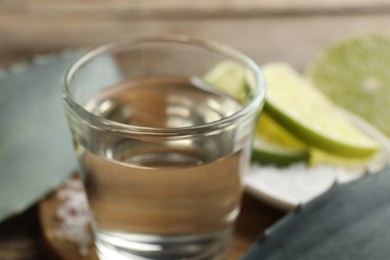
286	188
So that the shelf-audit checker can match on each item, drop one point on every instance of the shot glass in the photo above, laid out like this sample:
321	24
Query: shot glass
162	151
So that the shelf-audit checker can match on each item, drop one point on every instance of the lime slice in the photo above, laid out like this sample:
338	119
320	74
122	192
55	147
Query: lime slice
310	116
321	157
272	144
275	145
229	76
354	73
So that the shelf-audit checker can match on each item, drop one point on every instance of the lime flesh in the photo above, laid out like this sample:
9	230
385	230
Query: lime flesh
355	73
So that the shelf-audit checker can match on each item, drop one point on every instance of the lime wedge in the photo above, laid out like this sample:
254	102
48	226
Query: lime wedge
354	73
275	145
229	76
272	144
310	116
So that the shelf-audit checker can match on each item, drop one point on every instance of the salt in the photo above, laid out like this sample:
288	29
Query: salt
295	184
74	215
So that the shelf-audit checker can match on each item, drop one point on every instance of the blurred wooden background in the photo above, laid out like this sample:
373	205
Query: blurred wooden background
285	30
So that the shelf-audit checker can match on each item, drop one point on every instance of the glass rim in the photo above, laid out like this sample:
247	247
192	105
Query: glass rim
110	125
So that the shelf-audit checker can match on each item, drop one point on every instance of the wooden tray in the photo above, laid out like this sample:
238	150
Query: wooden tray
255	217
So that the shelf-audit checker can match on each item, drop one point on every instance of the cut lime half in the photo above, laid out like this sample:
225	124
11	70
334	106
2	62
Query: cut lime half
354	72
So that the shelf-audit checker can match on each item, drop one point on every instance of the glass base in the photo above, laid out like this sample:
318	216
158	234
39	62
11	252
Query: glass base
121	246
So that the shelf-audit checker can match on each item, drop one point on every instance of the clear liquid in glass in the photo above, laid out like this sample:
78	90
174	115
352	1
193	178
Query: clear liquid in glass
163	198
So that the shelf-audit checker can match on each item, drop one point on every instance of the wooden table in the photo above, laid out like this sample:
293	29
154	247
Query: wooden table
291	31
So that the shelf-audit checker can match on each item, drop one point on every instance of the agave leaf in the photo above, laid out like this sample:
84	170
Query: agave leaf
36	151
351	221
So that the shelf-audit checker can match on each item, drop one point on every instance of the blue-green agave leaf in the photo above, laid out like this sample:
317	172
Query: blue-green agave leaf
36	151
350	221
